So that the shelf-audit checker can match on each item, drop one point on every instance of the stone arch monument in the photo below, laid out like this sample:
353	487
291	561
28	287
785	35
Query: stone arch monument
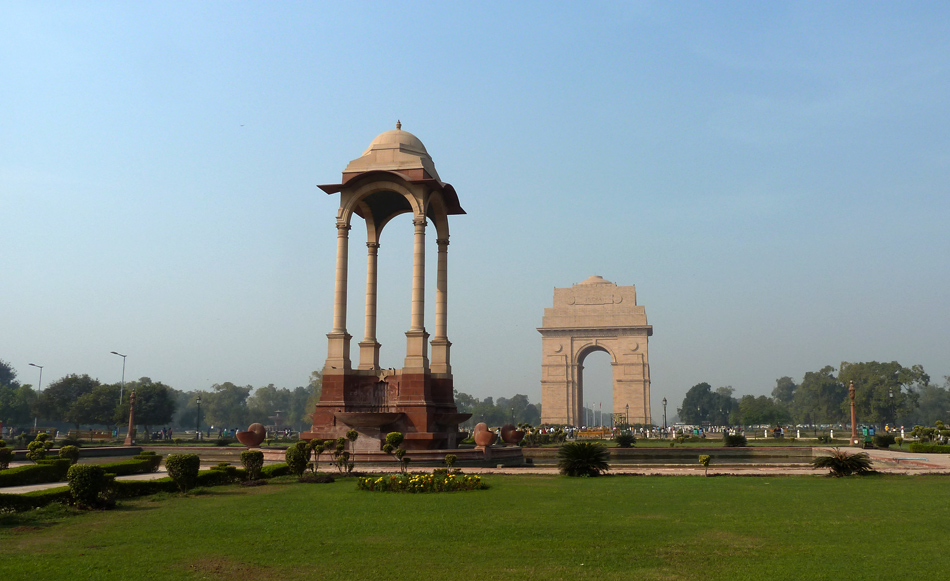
394	176
595	315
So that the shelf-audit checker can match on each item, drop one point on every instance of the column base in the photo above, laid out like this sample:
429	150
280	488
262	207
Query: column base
338	351
369	355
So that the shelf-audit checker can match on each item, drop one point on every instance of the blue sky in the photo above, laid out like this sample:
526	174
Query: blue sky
773	177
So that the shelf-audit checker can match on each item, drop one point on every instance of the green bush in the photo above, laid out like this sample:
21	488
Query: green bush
223	442
36	499
883	440
841	463
183	469
154	460
583	459
37	474
87	482
275	470
127	467
316	478
450	460
38	447
6	455
71	453
823	438
253	461
297	458
70	441
734	440
625	440
921	448
704	459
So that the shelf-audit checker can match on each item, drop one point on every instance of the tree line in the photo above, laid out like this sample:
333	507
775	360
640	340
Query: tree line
885	393
80	400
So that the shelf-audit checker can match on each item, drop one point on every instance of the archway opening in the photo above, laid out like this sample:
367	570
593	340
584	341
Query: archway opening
595	387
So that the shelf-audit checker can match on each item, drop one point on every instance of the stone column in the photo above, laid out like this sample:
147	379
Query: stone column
416	336
369	347
440	343
338	349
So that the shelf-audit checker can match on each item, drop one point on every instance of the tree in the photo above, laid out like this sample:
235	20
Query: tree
784	391
8	375
316	388
226	405
761	410
266	401
155	403
100	406
54	402
882	390
819	398
15	404
702	404
933	403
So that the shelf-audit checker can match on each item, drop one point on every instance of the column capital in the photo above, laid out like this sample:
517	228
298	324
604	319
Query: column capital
372	245
342	228
419	222
442	242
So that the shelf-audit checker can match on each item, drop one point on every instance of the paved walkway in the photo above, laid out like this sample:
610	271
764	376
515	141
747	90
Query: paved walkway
886	461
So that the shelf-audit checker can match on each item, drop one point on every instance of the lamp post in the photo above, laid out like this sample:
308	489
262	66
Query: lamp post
664	413
121	389
626	418
38	388
198	420
890	394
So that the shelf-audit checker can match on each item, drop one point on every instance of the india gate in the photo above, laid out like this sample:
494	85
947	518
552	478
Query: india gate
594	315
394	176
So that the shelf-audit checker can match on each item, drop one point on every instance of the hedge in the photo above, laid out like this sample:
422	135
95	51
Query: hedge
275	470
127	467
46	471
37	499
921	448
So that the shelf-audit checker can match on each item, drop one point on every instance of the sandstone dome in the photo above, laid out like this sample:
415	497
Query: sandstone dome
394	150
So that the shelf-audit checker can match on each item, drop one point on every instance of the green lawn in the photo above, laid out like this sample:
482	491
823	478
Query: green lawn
523	527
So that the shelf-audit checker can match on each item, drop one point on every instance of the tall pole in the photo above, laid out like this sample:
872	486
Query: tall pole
129	440
664	413
38	389
198	421
121	389
854	417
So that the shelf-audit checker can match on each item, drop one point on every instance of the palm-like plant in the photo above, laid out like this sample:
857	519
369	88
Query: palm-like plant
841	463
583	459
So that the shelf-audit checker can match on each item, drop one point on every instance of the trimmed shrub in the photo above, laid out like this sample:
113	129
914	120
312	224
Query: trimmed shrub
70	453
297	458
223	442
823	438
6	455
86	483
625	440
36	499
127	467
38	474
183	469
38	447
275	470
253	461
921	448
230	471
704	460
841	463
450	460
734	441
883	440
154	460
583	459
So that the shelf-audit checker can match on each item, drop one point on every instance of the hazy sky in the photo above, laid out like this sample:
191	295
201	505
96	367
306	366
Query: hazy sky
773	178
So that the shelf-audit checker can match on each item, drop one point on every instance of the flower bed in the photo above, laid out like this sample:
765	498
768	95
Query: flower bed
420	483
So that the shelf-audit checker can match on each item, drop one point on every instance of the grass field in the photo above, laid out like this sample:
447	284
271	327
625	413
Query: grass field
523	527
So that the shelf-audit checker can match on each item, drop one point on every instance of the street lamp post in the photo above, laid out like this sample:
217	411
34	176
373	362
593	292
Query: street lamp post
664	413
626	418
198	420
38	388
890	394
854	417
121	389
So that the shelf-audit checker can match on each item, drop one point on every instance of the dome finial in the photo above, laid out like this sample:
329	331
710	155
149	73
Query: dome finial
398	125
